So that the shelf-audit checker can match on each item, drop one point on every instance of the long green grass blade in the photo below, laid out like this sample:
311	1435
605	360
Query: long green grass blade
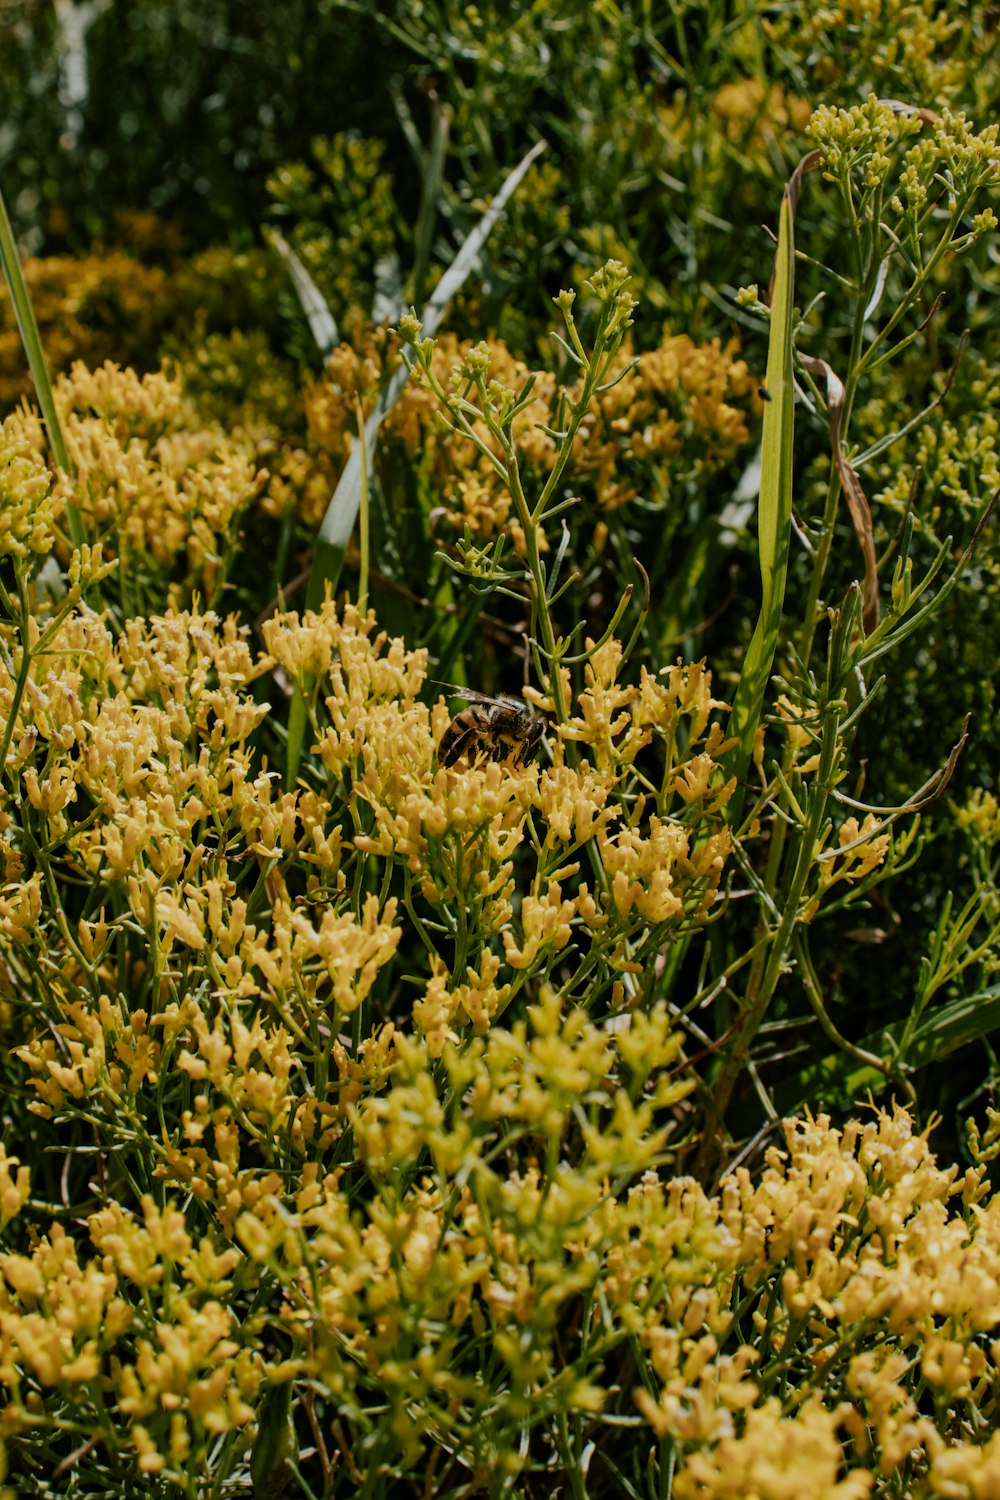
953	1025
430	194
774	512
342	512
322	323
31	339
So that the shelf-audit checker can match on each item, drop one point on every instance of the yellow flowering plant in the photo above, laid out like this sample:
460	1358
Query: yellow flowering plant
346	1103
324	1089
361	1132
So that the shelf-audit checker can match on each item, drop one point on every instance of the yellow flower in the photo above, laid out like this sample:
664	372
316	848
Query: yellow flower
777	1457
29	507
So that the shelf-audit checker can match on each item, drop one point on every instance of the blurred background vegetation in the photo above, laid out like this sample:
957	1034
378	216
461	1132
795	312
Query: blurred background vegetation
149	150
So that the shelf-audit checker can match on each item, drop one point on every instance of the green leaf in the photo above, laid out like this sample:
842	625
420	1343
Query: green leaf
774	513
31	339
950	1026
838	1079
322	323
275	1447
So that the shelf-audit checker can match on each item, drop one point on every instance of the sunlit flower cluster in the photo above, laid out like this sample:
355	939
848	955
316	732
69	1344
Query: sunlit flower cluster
228	1005
389	1301
158	492
747	104
352	1174
72	298
357	1047
676	410
859	143
980	816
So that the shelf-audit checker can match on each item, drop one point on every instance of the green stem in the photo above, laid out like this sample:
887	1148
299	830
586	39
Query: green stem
760	990
23	672
822	555
811	984
31	339
542	623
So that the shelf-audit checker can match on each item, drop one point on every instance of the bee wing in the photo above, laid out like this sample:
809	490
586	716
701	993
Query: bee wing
469	695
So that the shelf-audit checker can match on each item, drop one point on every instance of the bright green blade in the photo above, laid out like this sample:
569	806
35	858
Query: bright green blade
775	505
342	512
31	339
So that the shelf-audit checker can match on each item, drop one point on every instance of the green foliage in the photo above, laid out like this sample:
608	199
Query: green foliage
388	1069
185	107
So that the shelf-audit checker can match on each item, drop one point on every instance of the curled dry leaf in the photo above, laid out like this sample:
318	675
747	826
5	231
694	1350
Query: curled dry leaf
857	501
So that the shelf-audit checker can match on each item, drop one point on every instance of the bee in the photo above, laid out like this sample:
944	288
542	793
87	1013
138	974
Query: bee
499	728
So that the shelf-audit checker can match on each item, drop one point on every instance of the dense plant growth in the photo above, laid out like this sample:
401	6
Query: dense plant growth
394	1086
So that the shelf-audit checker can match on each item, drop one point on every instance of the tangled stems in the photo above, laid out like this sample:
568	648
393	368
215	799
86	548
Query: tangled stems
495	408
771	959
897	245
86	570
17	610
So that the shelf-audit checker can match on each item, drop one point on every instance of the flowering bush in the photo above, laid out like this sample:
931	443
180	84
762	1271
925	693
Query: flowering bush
357	1111
283	1024
394	1074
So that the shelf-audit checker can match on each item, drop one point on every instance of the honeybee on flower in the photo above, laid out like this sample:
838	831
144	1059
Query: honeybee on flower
498	728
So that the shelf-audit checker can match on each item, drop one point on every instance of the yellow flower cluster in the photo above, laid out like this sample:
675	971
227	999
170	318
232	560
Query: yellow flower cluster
864	850
183	1368
859	139
681	409
845	1238
235	917
955	464
906	44
29	510
858	142
383	1094
845	1241
176	1357
980	816
130	308
753	115
458	830
72	297
158	491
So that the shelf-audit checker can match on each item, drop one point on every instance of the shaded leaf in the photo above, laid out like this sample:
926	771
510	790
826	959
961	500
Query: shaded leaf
838	1079
322	324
